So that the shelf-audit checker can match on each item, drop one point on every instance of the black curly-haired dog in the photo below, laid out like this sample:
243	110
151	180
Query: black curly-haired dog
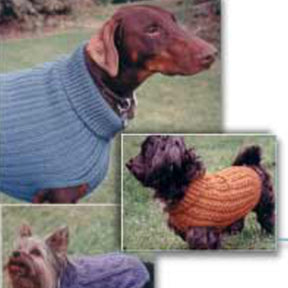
180	181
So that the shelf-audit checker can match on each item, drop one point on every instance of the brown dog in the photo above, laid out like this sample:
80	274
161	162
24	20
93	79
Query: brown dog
201	206
135	43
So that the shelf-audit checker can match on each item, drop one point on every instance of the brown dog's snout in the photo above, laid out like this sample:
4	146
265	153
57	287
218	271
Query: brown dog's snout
207	53
202	54
208	57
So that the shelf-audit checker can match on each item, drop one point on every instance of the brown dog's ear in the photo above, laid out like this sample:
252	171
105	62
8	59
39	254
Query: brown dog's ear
58	241
25	230
102	48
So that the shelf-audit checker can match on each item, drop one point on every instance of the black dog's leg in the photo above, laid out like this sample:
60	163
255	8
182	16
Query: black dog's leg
236	227
197	238
214	238
150	267
203	238
251	156
265	209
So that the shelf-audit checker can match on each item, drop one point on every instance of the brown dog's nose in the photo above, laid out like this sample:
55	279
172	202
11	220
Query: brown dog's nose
16	254
209	57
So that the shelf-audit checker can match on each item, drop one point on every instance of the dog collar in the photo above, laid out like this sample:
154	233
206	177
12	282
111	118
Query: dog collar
124	106
127	109
86	98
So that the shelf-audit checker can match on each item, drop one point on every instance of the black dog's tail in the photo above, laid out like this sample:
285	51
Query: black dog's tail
265	210
250	156
150	267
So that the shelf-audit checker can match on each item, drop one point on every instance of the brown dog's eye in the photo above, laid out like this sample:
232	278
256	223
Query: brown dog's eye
153	30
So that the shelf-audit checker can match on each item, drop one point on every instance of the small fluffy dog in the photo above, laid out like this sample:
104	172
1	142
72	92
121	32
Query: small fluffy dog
202	206
44	264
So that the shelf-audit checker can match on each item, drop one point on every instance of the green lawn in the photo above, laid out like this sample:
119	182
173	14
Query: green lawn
93	230
174	104
144	222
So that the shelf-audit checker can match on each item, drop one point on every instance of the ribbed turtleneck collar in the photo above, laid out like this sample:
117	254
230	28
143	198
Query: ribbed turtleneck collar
85	97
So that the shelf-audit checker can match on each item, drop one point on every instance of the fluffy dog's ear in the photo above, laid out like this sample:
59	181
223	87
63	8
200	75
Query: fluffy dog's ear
25	230
58	241
102	48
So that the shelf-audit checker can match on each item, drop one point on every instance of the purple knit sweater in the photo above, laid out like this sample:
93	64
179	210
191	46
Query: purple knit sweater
106	271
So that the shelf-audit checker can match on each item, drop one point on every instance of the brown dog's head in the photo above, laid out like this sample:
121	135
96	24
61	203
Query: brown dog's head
35	263
149	38
165	164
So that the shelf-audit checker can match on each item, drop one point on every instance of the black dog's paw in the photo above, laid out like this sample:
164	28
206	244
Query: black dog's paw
151	270
204	238
235	227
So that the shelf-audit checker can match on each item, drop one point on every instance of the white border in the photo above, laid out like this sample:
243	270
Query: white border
122	197
59	205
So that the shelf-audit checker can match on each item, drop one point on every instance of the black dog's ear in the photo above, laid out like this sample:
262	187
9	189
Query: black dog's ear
172	181
192	165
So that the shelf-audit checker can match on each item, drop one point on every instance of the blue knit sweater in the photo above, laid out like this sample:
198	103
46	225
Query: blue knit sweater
107	271
55	129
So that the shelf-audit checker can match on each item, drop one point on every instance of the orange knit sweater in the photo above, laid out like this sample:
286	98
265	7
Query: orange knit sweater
217	199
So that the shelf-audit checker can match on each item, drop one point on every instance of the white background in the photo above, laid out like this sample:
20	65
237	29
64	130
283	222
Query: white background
255	40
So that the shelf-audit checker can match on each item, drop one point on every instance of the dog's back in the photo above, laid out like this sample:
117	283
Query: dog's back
217	199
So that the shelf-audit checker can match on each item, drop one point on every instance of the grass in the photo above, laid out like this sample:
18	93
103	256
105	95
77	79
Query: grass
144	222
179	104
166	104
92	230
19	54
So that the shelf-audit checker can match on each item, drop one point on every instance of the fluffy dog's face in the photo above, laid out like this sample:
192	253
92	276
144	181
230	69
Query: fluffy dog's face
157	153
165	164
35	263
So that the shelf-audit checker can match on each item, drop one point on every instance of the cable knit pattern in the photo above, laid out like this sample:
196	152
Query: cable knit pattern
107	271
217	199
55	128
